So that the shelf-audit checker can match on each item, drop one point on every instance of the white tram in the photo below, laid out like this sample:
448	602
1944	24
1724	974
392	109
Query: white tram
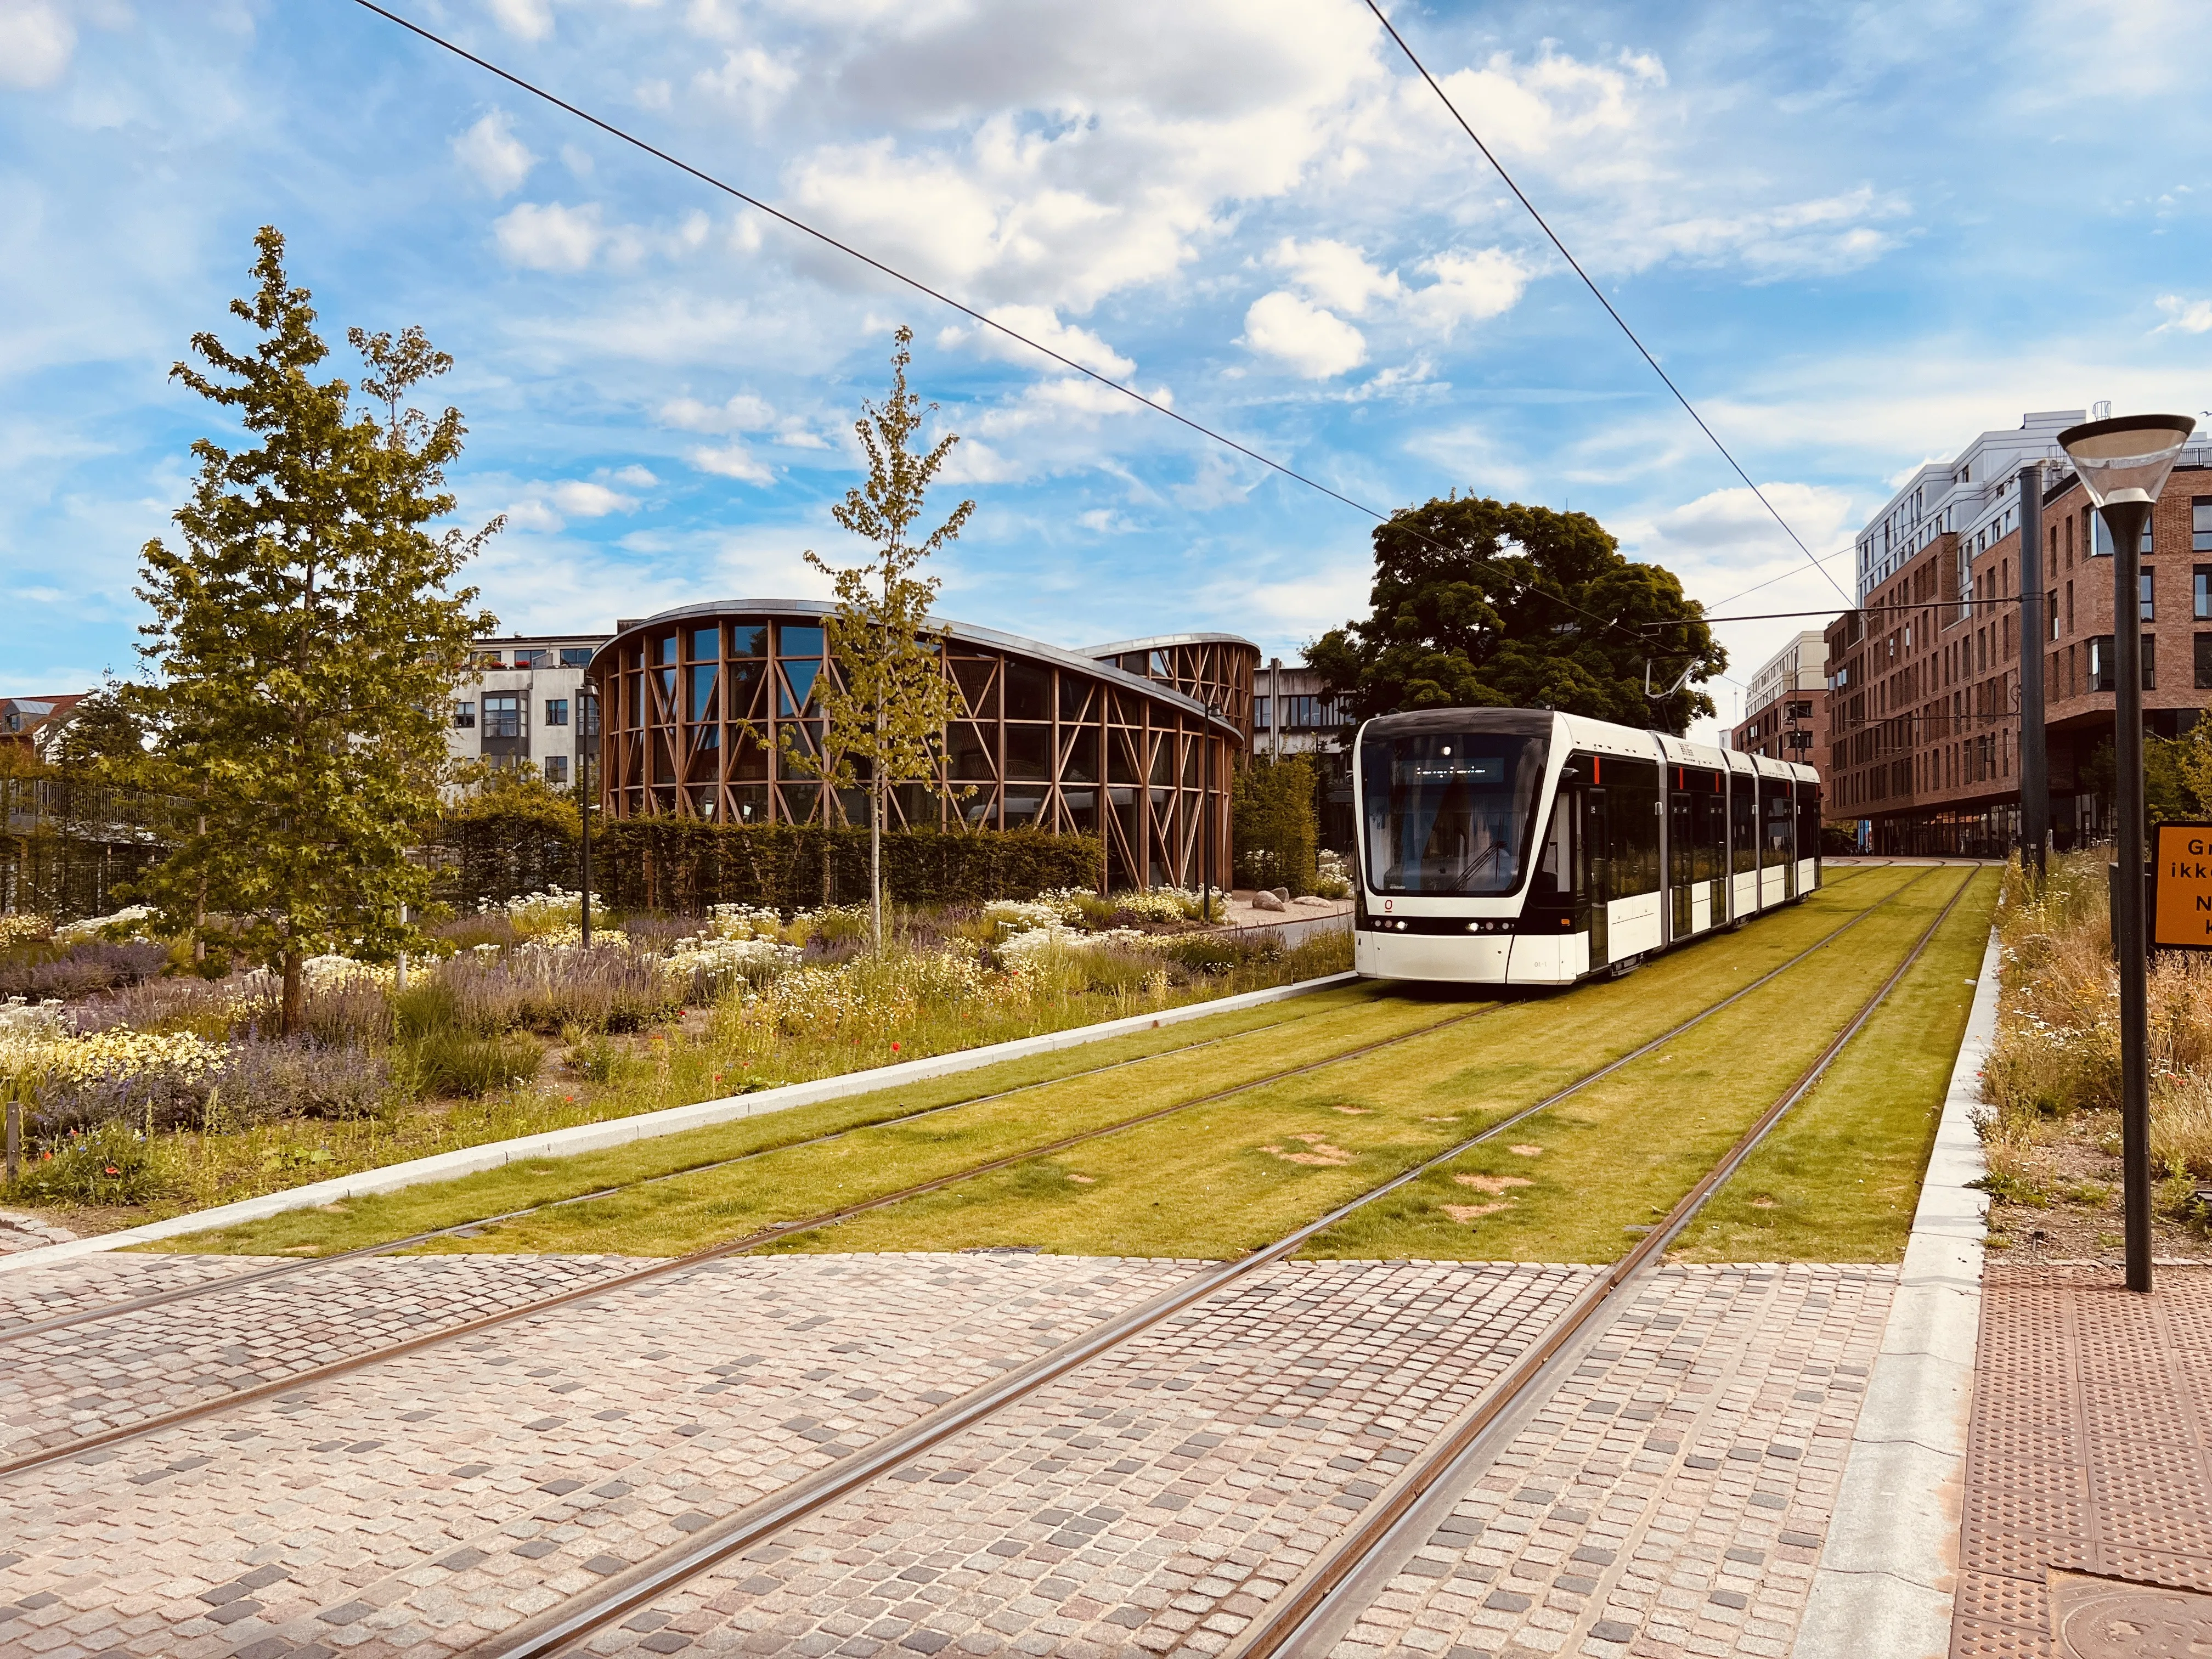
1515	846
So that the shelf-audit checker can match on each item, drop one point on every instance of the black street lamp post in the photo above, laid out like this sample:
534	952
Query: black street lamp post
2034	641
2123	464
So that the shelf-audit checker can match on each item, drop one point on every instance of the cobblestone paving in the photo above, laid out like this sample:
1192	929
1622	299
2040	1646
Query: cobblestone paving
62	1385
2090	1446
1669	1500
1152	1501
418	1505
29	1293
1671	1497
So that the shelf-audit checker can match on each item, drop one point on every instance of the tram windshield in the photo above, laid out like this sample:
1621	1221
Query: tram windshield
1449	812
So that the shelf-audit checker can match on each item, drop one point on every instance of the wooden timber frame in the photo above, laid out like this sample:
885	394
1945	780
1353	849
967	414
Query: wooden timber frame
698	704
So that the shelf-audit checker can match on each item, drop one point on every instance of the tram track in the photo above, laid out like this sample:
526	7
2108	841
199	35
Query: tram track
561	1629
1303	1620
290	1383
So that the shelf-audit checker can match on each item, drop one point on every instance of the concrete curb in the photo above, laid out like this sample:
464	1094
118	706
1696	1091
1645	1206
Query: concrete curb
1889	1571
646	1126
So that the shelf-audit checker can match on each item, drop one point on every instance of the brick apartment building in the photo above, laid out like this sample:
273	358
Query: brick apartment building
1786	704
1924	753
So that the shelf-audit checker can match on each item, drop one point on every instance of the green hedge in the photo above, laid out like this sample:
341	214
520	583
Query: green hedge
684	864
493	856
1274	824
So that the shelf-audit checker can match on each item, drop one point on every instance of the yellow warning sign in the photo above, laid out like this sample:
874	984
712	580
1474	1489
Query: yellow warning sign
2181	885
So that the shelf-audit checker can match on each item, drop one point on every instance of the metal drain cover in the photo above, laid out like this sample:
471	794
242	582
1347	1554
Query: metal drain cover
2111	1618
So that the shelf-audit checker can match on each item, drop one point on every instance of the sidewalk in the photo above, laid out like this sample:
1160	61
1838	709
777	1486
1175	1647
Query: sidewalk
2090	1459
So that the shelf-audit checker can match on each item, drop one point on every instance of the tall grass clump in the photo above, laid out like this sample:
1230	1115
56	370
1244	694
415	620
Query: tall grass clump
2056	1051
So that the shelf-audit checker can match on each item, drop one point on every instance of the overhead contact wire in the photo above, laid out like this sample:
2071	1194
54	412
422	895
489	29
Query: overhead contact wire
1575	264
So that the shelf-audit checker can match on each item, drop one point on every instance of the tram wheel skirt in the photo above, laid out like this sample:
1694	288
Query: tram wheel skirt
1517	959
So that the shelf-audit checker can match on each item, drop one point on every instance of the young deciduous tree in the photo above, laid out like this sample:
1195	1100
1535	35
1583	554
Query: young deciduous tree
885	723
1488	604
305	642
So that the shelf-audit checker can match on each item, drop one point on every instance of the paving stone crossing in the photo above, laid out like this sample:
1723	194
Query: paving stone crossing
1669	1498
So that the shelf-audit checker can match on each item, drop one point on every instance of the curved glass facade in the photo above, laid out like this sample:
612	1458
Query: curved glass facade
698	706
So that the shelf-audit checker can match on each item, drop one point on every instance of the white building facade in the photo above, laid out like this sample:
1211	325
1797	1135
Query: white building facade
527	701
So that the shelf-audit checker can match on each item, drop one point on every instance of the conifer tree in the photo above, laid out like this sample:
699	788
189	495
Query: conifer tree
885	723
305	642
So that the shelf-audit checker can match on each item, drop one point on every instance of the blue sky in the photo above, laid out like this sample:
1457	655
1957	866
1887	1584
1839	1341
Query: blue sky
1857	235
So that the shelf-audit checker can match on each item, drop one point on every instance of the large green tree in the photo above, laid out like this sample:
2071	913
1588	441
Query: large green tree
1486	603
305	641
885	711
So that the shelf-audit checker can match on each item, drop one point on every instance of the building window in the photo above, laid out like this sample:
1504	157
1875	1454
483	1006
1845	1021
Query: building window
502	714
2203	643
2143	587
2102	676
2200	597
556	711
2100	545
556	770
486	658
576	656
465	716
2051	600
2200	524
533	658
587	716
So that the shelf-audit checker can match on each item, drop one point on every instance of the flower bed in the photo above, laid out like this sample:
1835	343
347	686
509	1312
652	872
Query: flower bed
190	1099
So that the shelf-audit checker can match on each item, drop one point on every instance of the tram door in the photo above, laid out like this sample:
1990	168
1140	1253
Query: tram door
1682	860
1593	868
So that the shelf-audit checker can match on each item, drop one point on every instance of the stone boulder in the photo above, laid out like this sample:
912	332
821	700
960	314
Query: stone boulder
1264	899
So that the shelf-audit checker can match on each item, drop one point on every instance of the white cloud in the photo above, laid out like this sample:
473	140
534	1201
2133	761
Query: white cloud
532	514
1335	273
1041	323
531	19
1311	341
1469	288
742	413
490	150
36	41
749	80
550	237
589	501
732	460
636	478
1821	236
2190	316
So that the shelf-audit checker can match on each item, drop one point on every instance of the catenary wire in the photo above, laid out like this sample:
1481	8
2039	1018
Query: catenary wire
1541	224
943	298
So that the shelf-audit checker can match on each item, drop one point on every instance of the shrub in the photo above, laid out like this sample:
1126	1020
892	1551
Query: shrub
108	1165
300	1077
1332	875
688	864
75	970
463	1065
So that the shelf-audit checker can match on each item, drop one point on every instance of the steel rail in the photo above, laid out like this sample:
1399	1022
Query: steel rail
658	1269
624	1593
1283	1627
287	1269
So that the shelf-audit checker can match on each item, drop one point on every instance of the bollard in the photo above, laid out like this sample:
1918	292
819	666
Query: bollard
15	1138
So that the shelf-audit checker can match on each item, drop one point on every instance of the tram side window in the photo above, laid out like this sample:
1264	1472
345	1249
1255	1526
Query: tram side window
1780	815
1743	820
1632	825
1808	820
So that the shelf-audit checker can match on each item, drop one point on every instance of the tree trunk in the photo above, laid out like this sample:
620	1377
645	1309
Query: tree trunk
199	906
876	861
296	990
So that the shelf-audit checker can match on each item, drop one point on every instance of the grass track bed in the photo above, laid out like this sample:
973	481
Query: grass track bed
1840	1177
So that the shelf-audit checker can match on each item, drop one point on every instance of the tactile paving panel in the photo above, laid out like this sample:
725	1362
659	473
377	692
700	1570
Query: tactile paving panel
2089	1453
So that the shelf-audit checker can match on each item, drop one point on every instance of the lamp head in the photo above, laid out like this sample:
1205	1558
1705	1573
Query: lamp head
2126	458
